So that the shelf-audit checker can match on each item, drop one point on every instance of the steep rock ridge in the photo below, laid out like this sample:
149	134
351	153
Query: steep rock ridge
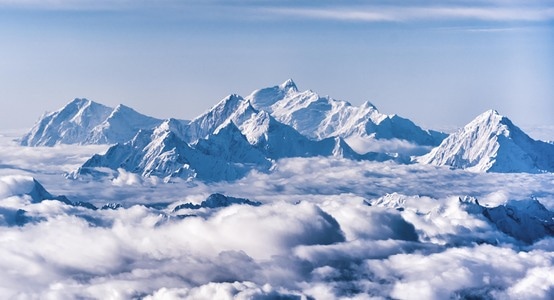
206	124
321	117
225	155
84	121
277	140
492	143
222	144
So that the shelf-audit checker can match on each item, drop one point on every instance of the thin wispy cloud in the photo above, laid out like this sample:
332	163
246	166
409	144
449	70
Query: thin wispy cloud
407	14
396	11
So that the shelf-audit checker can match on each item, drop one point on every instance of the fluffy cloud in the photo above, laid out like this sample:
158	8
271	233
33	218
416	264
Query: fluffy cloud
480	271
313	236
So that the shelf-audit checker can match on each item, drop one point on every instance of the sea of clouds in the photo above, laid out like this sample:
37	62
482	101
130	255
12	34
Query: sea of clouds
327	228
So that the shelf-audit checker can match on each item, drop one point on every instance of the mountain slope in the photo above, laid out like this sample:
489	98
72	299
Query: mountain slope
224	111
492	143
322	117
120	126
225	155
86	122
70	125
273	138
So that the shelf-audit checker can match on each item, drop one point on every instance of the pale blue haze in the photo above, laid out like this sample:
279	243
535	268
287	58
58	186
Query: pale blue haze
437	63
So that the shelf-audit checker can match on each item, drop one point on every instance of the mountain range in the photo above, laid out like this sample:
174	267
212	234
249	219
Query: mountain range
241	134
225	143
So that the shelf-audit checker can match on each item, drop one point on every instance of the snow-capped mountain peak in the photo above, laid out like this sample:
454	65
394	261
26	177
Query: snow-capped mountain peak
69	125
368	104
178	127
83	121
121	125
288	85
492	143
208	122
319	117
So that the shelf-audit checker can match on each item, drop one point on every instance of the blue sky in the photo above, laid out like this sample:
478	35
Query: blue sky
437	63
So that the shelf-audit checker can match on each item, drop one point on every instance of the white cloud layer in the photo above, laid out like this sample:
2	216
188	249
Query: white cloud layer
313	236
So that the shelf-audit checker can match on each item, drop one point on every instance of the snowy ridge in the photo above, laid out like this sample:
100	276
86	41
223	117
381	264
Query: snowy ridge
206	124
69	125
274	123
492	143
86	122
321	117
226	155
120	126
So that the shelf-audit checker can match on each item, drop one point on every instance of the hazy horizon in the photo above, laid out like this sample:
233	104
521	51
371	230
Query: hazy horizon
436	64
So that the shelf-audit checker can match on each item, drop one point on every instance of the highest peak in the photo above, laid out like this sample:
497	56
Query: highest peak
231	97
368	104
121	108
288	85
79	102
491	113
492	121
170	124
83	103
490	116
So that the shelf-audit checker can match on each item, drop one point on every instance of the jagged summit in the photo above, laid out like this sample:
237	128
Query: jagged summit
225	155
222	112
319	117
120	126
80	102
178	127
85	122
288	85
492	143
368	106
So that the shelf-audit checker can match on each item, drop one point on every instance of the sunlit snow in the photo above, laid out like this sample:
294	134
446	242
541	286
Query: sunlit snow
279	195
326	228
